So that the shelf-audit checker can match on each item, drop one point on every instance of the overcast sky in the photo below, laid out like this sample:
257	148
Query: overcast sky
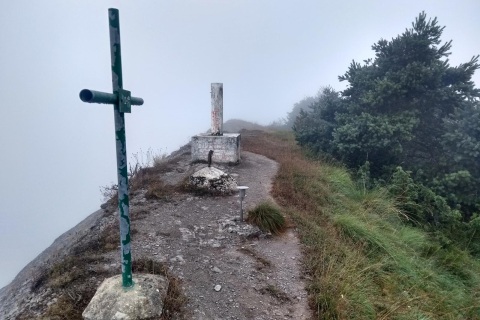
57	151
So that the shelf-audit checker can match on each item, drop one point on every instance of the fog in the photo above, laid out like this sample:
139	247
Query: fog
56	151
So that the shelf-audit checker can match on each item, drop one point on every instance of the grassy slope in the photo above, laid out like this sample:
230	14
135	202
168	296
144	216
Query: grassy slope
362	262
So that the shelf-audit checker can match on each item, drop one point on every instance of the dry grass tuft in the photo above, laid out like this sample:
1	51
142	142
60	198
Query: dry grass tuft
175	300
145	173
157	190
69	305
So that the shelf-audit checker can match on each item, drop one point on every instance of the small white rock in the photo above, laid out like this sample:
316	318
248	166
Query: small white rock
119	315
217	288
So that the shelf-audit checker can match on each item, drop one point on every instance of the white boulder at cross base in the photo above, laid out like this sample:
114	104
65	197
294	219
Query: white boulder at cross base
213	180
144	300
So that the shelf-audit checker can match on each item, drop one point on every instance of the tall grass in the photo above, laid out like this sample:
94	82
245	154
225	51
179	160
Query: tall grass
363	262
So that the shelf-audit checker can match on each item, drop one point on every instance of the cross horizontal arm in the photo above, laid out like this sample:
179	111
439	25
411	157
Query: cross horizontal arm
92	96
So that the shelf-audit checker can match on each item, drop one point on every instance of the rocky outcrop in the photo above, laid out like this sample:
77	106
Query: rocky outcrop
143	301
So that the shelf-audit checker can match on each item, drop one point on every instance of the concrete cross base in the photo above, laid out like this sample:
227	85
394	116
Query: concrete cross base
142	301
226	148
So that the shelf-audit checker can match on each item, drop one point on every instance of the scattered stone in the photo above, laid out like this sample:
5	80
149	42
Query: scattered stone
120	315
187	235
215	269
178	259
218	288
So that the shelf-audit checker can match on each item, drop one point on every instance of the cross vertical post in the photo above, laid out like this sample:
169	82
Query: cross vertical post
122	173
122	101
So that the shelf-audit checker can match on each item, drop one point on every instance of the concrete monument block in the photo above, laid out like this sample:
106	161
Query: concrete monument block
225	146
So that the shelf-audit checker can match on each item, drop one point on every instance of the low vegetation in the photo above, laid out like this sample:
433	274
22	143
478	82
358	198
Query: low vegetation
267	217
143	172
174	302
365	257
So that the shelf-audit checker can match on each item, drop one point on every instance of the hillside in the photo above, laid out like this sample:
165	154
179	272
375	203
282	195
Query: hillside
364	258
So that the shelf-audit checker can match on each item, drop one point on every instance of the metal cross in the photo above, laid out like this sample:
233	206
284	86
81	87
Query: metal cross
122	101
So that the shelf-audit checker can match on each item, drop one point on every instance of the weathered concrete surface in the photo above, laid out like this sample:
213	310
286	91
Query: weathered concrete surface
226	148
217	109
213	180
142	301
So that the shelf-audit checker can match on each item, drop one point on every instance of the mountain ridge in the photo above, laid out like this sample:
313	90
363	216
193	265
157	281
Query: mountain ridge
193	235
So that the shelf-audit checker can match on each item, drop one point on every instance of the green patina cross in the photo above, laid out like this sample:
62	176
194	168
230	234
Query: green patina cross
122	102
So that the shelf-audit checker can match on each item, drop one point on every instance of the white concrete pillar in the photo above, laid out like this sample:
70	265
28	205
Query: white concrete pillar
217	109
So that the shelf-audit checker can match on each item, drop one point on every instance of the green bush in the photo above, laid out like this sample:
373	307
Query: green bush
408	106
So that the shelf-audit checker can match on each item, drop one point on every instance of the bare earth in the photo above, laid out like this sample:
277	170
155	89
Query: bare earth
229	269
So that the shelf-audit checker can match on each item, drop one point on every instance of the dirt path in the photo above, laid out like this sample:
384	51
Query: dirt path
206	246
229	269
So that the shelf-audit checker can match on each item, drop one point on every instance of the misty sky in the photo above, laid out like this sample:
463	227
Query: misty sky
57	151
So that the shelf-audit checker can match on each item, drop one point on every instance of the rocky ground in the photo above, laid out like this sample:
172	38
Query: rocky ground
227	269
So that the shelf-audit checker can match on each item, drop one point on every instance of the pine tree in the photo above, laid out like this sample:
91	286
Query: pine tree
406	107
